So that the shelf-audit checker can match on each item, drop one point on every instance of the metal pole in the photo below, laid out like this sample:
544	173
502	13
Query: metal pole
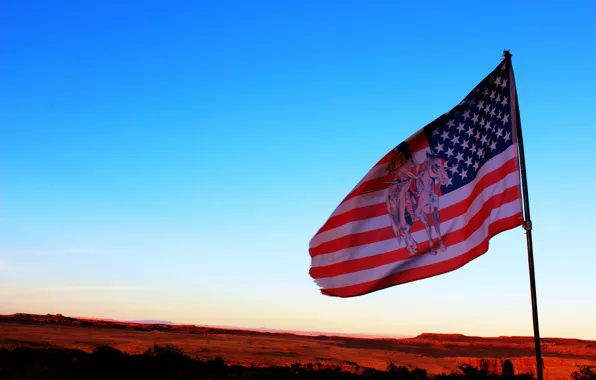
528	227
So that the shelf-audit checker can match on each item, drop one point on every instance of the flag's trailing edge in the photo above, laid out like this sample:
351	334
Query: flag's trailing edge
455	180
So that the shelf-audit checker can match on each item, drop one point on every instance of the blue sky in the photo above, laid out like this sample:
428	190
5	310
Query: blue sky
173	161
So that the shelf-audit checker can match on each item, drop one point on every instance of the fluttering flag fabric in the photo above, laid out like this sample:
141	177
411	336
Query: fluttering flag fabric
432	203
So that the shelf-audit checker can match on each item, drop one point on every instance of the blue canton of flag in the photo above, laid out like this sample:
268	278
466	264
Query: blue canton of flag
476	130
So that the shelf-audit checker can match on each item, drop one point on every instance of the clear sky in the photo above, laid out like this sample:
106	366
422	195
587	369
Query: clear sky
172	160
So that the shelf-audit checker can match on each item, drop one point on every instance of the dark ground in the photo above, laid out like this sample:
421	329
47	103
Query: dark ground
170	362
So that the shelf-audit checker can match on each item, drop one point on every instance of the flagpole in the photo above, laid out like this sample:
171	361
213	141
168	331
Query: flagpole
527	225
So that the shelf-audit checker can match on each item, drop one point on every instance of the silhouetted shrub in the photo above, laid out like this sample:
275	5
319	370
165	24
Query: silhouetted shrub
470	372
419	373
107	352
168	351
402	372
584	372
217	363
484	365
395	370
507	369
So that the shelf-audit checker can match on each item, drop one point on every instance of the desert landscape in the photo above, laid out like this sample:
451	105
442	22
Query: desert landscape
435	353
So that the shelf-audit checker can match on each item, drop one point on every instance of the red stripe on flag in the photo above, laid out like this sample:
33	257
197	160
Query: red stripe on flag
431	270
450	239
376	184
386	158
445	214
355	214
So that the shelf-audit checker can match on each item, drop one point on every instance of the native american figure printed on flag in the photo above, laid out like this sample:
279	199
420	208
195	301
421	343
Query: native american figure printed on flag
432	203
413	196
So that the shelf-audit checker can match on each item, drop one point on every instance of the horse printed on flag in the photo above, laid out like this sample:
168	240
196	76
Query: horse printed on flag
432	203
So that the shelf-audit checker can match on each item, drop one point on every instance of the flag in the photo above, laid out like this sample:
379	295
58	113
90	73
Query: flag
430	205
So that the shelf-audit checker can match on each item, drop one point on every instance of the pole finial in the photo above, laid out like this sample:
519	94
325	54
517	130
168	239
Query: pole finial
506	54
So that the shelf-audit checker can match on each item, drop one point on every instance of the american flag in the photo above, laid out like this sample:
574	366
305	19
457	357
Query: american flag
456	180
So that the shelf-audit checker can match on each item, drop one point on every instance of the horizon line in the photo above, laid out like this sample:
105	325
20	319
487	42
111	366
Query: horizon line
288	331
